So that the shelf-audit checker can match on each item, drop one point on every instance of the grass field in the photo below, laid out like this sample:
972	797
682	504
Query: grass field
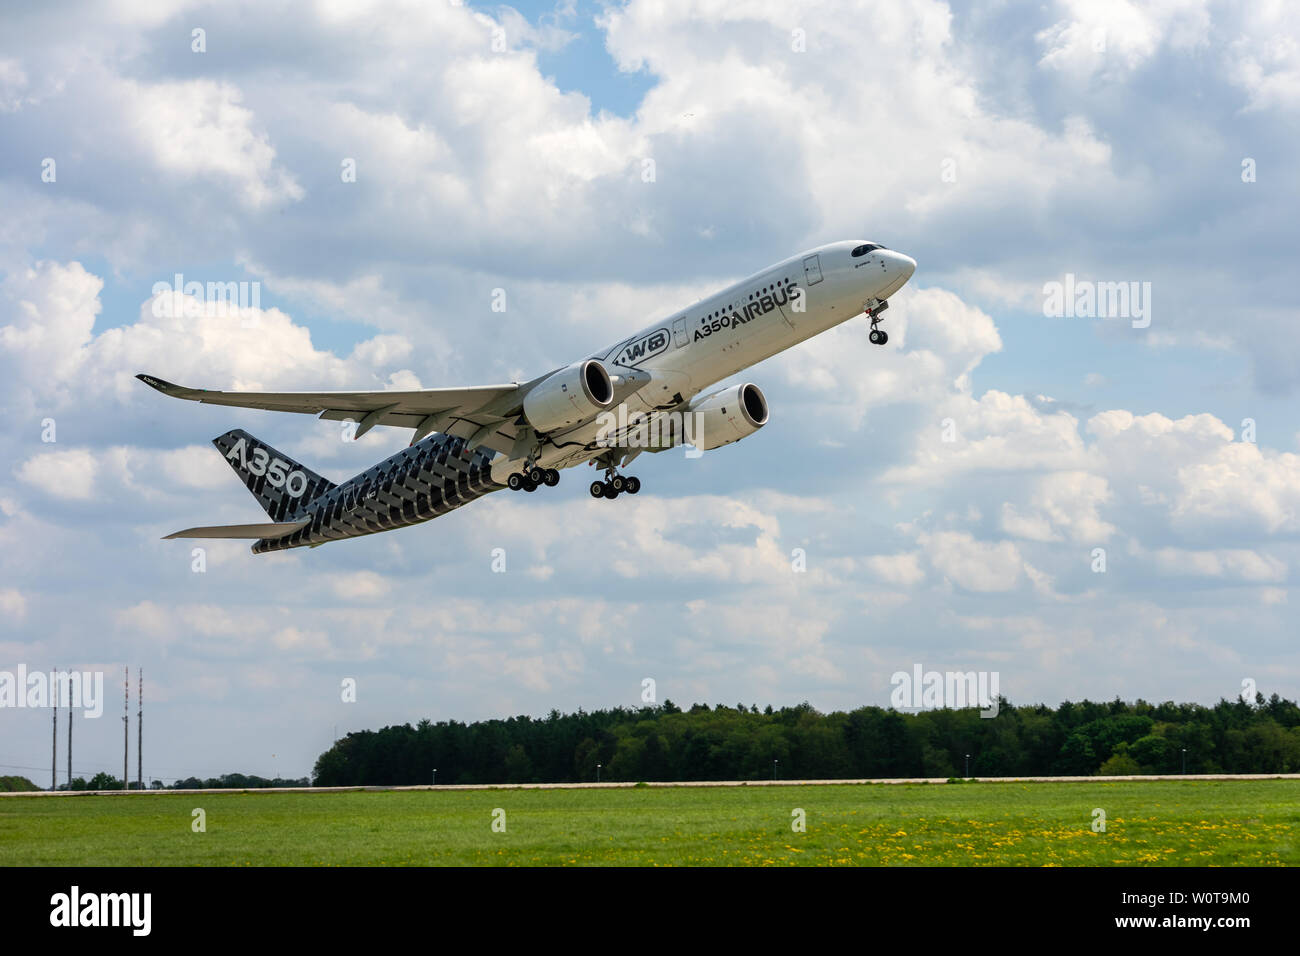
1223	823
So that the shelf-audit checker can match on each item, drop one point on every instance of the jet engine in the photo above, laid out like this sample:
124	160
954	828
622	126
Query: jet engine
569	396
723	417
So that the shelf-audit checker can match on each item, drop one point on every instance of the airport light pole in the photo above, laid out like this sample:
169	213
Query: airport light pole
968	766
598	773
1184	760
775	761
435	776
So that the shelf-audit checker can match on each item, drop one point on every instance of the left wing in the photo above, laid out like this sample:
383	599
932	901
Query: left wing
483	415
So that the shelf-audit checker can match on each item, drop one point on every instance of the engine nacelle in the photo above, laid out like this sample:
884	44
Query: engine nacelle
569	396
726	416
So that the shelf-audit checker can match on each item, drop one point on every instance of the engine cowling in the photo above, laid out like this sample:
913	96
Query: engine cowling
569	396
726	416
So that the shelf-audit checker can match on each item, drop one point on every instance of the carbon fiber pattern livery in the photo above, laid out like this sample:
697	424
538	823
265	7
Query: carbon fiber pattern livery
424	481
282	490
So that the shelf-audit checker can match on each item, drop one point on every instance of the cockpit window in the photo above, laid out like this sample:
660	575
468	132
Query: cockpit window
863	249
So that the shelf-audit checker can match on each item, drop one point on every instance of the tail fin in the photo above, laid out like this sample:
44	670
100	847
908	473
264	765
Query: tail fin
280	484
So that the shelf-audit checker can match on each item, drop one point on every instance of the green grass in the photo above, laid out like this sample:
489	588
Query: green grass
1192	823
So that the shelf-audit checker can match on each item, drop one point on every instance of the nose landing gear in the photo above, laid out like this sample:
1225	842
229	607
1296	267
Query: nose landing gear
873	309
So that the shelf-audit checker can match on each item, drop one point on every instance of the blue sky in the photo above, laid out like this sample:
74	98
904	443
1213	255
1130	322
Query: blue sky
1002	147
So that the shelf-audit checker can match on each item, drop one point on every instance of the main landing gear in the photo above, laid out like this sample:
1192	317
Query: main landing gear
873	310
532	478
614	485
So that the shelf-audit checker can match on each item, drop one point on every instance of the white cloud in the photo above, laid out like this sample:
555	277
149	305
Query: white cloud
63	474
903	570
192	467
178	337
298	640
54	309
361	585
198	130
935	341
996	432
1237	564
971	564
13	80
475	171
1061	505
13	603
1114	37
1195	470
1265	60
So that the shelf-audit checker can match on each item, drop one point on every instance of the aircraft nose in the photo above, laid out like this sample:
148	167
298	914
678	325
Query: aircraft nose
898	269
905	265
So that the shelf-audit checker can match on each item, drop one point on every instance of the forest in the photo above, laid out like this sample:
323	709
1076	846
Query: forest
664	742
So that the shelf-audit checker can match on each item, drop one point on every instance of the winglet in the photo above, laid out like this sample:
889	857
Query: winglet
167	388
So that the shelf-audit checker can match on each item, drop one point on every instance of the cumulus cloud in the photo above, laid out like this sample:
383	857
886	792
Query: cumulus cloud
1265	60
199	130
903	570
994	432
363	585
942	503
1239	564
54	349
1063	504
1117	36
936	339
974	565
63	474
54	306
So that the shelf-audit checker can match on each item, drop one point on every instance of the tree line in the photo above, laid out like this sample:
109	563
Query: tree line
664	742
229	781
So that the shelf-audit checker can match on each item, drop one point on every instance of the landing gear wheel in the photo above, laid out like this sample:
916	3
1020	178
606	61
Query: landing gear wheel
633	485
551	478
618	483
515	481
883	337
610	491
530	486
875	337
597	489
536	475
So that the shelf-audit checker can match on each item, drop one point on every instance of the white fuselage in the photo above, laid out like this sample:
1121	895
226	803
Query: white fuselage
671	361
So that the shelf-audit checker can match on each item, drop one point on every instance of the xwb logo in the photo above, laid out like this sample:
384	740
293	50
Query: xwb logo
642	348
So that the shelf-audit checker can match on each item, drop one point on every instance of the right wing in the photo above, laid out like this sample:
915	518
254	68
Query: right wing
483	414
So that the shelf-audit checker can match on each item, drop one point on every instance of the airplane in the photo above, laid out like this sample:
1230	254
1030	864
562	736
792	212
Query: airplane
641	394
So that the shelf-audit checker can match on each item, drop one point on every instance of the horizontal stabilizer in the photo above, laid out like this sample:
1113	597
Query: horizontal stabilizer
275	529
